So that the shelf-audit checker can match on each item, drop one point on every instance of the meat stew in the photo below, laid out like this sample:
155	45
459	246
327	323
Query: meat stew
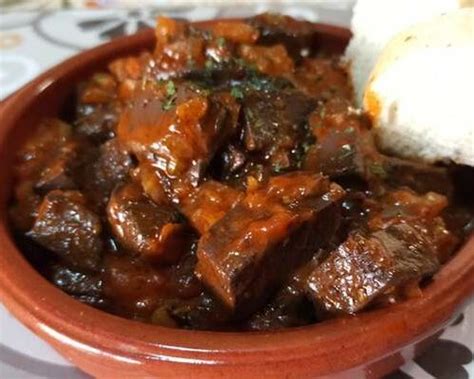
225	181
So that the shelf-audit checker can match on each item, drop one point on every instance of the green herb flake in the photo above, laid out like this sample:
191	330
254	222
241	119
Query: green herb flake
170	98
170	88
168	104
220	42
378	170
322	112
306	146
237	93
209	64
277	168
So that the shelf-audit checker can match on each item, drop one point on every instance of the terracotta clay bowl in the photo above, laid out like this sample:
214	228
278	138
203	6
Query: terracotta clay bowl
103	345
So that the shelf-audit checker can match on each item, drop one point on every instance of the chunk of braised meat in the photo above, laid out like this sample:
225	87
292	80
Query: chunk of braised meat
147	176
66	226
366	266
182	48
235	31
275	126
345	147
45	162
84	286
97	110
269	60
97	122
423	212
297	36
145	228
252	250
204	53
177	48
404	204
290	306
210	202
178	135
105	171
130	72
322	78
133	286
418	176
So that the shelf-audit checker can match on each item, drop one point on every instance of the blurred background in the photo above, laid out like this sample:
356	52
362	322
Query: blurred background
36	34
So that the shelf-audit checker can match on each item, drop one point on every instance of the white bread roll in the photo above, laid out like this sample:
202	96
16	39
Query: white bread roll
375	22
420	94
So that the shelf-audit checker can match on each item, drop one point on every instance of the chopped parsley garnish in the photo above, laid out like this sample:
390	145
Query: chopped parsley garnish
220	42
168	102
277	168
237	92
170	88
209	64
378	170
322	112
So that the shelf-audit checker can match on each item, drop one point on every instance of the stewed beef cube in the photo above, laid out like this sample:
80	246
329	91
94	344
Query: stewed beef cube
210	202
343	142
290	306
84	286
275	126
420	177
109	167
297	36
66	226
269	60
45	162
144	228
248	253
346	147
98	122
97	110
322	79
133	285
177	133
423	212
366	266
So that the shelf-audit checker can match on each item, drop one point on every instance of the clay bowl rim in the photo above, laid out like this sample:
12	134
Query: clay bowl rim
369	336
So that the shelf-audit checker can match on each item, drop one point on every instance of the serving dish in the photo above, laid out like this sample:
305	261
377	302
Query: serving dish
370	344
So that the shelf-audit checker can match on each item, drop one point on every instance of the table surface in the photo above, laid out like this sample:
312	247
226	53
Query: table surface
32	40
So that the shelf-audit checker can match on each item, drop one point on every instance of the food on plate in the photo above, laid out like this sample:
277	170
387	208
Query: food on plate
420	92
376	22
226	181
